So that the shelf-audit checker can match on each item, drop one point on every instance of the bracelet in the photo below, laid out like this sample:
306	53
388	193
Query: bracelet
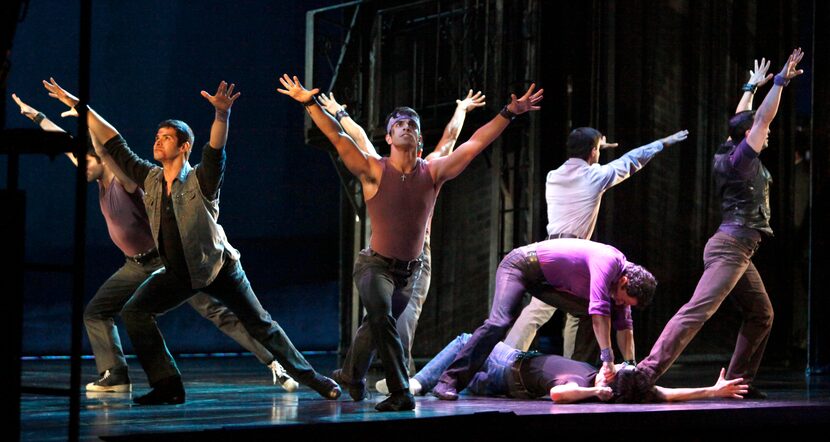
606	355
780	80
631	362
505	112
749	87
310	102
39	117
341	114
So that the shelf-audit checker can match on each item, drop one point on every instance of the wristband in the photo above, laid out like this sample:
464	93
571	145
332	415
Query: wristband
505	112
606	355
39	117
749	87
341	114
310	102
780	80
631	362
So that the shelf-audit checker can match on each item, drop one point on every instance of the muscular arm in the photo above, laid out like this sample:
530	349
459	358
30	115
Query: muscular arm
769	107
625	341
447	168
733	389
348	124
453	129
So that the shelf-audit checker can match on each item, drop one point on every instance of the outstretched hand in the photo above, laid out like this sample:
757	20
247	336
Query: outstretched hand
330	104
471	101
789	71
734	388
26	110
758	77
55	91
528	102
675	138
224	97
295	90
603	144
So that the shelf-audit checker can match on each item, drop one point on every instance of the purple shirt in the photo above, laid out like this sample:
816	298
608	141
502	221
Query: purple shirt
400	209
126	218
744	160
588	270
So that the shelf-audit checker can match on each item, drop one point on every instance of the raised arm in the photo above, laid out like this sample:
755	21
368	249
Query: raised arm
448	167
447	142
99	127
623	167
733	389
757	78
41	120
348	124
359	163
221	101
769	107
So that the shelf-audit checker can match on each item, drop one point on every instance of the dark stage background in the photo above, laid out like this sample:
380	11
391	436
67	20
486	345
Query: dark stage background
636	70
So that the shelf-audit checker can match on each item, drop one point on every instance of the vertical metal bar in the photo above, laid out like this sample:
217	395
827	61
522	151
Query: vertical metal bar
79	263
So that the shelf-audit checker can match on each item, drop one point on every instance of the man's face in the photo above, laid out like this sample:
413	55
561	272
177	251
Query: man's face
595	152
621	296
166	146
404	133
94	169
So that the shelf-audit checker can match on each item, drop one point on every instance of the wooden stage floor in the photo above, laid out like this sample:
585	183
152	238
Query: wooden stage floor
232	397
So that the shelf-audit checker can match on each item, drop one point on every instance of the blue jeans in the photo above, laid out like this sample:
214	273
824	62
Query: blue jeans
163	292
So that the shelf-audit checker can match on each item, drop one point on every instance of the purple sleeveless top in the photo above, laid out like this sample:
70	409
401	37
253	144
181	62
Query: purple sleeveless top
400	210
126	218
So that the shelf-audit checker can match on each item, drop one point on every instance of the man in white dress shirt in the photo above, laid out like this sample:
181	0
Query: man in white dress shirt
573	193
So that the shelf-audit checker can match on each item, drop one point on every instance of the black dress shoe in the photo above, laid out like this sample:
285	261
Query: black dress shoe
357	390
168	391
398	401
754	393
325	387
445	392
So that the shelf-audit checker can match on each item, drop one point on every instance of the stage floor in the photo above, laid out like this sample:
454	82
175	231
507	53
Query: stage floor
234	394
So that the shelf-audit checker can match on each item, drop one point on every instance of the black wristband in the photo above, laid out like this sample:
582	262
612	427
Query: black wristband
310	102
341	114
38	118
505	112
631	362
749	87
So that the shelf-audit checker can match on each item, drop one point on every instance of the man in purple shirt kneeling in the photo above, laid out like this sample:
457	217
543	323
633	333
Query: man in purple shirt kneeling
586	277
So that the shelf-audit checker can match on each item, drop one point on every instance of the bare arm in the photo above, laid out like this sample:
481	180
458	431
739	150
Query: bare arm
625	341
98	126
453	129
221	101
359	163
757	78
45	123
447	168
769	107
733	389
351	127
602	331
572	392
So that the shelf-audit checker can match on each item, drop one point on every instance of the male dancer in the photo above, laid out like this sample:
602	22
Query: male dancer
400	192
182	204
574	193
521	375
743	185
588	278
418	286
121	204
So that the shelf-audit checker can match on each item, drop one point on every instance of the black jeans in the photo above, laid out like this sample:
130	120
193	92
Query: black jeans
382	291
163	292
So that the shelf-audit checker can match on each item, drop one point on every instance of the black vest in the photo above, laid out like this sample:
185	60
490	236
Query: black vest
744	201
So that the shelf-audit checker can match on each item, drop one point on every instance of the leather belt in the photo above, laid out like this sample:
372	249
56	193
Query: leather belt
142	258
562	235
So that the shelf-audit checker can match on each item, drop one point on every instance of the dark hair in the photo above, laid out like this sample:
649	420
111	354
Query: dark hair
641	284
582	141
632	386
739	124
402	111
184	134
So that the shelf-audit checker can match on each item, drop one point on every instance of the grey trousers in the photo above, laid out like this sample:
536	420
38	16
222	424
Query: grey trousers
416	289
99	316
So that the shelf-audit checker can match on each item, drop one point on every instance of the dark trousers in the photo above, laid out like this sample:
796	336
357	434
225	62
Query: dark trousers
517	274
728	269
382	290
163	292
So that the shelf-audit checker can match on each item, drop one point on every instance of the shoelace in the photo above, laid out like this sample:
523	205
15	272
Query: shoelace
105	376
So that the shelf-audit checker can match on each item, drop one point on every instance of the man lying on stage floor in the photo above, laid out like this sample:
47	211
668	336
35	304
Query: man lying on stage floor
521	375
578	276
182	204
400	192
